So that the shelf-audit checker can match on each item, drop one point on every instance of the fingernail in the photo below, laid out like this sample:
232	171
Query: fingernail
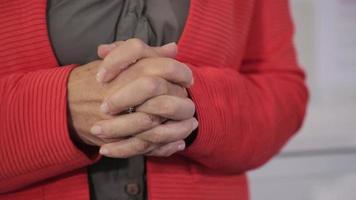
181	146
96	130
195	124
105	49
169	45
104	151
192	74
101	75
104	108
110	46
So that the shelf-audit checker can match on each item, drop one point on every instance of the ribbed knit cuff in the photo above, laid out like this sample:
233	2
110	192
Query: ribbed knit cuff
204	141
37	116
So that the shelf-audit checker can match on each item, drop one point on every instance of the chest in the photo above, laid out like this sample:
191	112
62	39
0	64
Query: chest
216	32
218	28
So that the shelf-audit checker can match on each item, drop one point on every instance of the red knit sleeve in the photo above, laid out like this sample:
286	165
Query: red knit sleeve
247	115
34	139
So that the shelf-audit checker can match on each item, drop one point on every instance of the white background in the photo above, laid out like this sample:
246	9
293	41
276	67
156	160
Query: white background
320	162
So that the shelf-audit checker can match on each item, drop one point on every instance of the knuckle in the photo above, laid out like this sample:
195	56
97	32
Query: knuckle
137	44
171	67
166	106
109	105
148	120
156	137
141	146
152	84
177	90
141	68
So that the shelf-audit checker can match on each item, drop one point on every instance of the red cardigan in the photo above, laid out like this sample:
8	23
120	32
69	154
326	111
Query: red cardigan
249	92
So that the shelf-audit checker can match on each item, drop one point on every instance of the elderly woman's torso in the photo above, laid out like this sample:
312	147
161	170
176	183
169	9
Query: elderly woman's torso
77	27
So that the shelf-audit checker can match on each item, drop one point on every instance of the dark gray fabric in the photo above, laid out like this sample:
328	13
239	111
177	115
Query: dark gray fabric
110	177
77	27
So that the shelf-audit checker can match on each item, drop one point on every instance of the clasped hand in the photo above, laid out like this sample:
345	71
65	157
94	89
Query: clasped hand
133	74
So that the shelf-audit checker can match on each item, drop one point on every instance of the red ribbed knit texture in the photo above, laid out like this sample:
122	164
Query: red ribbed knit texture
249	92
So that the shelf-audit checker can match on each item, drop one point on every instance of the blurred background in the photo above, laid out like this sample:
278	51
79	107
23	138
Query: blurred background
320	162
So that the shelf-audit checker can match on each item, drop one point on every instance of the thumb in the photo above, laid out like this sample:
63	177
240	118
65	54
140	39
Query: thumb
105	49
